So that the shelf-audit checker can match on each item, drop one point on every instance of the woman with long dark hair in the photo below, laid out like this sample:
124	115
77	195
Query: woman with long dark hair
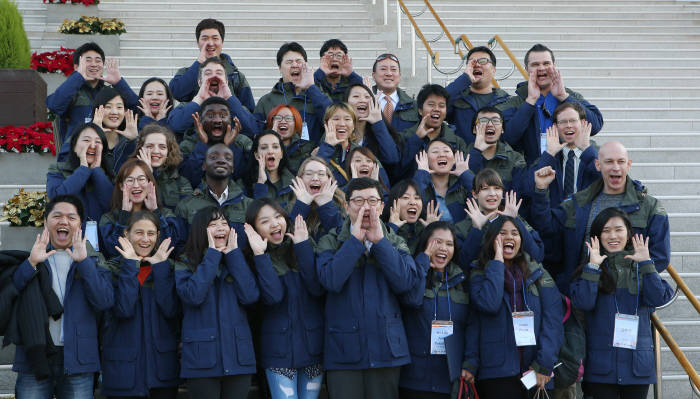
119	124
291	332
214	282
139	335
618	289
155	102
519	314
406	214
438	303
268	176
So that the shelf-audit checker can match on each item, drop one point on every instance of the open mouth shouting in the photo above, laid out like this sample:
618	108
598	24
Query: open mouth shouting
220	239
490	133
412	213
362	109
211	50
137	194
215	85
63	234
341	132
509	249
271	162
440	258
569	134
276	235
295	74
315	187
435	118
615	179
478	73
90	155
155	105
442	163
364	170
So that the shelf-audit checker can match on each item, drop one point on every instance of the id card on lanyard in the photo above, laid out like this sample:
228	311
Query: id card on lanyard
626	328
439	329
524	328
91	234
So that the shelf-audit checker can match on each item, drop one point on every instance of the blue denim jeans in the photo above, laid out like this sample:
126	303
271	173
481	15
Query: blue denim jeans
74	386
301	387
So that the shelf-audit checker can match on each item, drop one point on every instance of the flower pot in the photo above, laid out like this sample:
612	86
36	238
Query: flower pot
24	169
22	95
108	43
18	237
57	13
53	80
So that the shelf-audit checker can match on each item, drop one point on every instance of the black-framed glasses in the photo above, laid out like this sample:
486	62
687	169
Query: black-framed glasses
496	121
359	201
287	118
482	60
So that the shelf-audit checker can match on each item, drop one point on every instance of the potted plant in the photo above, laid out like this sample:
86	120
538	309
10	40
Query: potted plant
103	31
26	152
22	220
54	66
59	10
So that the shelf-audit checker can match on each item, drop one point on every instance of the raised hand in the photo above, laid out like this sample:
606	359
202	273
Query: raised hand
512	205
430	249
98	116
202	54
162	254
98	158
422	161
480	139
325	65
533	90
375	113
641	249
201	134
583	138
375	232
346	66
262	174
203	93
163	110
422	131
357	229
151	201
232	242
144	156
38	253
478	218
331	137
432	213
301	233
469	69
307	77
374	175
131	131
554	145
498	248
79	251
82	156
367	81
327	192
232	131
594	255
210	237
112	75
127	205
127	250
300	192
257	244
558	90
224	90
544	177
83	69
395	214
461	164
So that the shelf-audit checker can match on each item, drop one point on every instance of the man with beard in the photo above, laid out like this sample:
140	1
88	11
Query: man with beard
488	151
530	112
72	100
214	126
218	189
296	88
213	81
365	268
571	220
210	41
335	74
473	91
61	290
398	108
432	108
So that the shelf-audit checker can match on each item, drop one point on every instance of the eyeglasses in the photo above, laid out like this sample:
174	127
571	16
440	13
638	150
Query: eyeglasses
385	56
286	118
140	179
496	121
359	201
311	173
482	61
566	122
337	56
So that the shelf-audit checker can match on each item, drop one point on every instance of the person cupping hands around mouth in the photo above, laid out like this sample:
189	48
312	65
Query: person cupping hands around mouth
155	101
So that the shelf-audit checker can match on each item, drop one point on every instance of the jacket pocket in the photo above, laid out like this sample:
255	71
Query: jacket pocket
396	337
643	363
314	340
599	361
199	348
86	344
244	346
118	367
166	359
344	344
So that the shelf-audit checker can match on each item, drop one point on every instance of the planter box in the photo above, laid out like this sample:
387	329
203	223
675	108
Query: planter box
57	13
53	80
108	43
22	95
15	237
24	169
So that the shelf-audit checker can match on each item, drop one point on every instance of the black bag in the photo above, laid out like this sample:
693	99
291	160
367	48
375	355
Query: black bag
573	349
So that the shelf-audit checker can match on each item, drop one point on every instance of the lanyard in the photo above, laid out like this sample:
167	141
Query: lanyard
449	304
284	93
54	271
636	306
515	308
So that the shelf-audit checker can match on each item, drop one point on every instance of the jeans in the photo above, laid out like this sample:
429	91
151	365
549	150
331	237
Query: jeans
301	387
74	386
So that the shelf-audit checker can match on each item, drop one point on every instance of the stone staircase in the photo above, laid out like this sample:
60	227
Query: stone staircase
638	61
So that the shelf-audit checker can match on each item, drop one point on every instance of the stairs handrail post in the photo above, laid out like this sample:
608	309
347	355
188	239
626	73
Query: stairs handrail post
398	24
658	387
673	345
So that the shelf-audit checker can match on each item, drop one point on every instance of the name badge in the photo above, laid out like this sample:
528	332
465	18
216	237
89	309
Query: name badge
91	234
529	379
626	327
88	120
304	131
543	142
438	331
524	328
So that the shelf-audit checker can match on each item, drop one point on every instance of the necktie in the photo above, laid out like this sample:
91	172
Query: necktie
569	174
388	110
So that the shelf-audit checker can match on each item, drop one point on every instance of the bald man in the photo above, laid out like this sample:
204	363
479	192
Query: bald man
572	219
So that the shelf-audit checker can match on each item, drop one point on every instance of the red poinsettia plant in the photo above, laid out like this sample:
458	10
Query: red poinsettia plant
53	61
85	2
35	138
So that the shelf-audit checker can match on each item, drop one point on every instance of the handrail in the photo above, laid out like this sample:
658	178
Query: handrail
684	287
464	39
444	28
680	356
434	55
497	39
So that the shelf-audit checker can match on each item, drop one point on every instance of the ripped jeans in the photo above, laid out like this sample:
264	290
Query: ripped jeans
301	387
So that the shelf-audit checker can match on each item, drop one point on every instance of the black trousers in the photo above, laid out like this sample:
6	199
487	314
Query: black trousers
228	387
155	393
381	383
613	391
500	388
413	394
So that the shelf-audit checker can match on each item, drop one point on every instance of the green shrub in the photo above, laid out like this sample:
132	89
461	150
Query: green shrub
14	45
